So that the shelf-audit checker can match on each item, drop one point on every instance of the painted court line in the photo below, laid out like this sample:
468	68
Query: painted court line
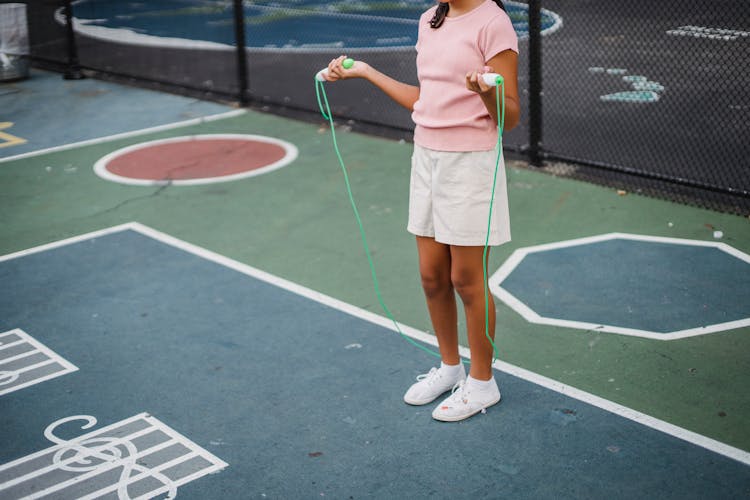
84	462
124	135
610	406
13	379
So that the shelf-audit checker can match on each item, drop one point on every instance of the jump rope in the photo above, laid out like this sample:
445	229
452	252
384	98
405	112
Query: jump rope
491	79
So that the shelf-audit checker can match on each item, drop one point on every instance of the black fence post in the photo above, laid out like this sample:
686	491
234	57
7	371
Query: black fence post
535	83
73	71
239	36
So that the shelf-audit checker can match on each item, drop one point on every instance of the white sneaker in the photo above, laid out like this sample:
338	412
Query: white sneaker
432	384
466	401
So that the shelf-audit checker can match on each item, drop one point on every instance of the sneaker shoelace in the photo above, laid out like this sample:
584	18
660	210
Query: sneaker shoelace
459	393
430	377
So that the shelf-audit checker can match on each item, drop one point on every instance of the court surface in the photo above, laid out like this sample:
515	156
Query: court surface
227	335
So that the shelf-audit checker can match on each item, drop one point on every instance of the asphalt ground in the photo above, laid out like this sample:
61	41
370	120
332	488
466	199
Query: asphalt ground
295	224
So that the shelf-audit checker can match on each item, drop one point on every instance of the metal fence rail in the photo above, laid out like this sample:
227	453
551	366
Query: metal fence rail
652	93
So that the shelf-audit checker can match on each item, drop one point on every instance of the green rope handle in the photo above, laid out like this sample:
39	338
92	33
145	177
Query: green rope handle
325	110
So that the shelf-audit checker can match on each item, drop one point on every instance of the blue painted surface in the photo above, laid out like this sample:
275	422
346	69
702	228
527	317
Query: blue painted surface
261	378
93	109
301	24
659	287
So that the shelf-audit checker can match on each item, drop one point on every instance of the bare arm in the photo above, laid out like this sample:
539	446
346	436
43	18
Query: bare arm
506	64
402	93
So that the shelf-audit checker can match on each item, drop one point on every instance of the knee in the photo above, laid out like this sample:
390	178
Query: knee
467	284
435	284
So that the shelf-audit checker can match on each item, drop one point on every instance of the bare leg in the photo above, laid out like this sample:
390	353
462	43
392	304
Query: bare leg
435	270
467	277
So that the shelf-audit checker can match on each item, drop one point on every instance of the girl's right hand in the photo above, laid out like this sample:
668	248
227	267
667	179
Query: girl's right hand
336	70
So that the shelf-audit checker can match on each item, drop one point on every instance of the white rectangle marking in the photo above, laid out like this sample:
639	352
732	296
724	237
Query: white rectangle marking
13	380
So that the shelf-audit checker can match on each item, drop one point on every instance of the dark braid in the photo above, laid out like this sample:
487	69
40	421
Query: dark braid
442	11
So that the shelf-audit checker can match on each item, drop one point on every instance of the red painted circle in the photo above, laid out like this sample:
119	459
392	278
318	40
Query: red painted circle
193	158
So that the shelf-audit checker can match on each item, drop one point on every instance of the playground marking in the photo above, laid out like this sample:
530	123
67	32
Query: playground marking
644	90
548	383
125	135
109	461
24	361
7	139
179	161
495	283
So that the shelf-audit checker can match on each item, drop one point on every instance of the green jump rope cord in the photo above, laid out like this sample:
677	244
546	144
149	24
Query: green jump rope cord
325	110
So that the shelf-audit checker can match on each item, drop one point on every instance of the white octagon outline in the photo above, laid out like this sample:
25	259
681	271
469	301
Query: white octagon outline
533	317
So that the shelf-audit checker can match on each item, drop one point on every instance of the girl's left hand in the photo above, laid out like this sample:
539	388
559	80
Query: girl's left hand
475	83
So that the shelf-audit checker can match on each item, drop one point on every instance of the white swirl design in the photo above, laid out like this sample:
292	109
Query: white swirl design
93	453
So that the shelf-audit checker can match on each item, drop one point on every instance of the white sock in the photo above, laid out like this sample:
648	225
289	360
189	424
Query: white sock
450	370
480	385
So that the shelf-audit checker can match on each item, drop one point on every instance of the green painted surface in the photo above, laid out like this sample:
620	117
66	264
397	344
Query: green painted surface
296	223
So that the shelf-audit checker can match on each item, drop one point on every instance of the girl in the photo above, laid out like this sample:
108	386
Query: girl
451	182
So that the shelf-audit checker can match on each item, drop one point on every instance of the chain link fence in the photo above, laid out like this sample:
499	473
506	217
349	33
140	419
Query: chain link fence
650	95
657	91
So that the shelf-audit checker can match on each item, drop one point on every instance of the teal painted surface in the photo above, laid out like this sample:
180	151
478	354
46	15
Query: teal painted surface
48	111
657	287
262	379
296	223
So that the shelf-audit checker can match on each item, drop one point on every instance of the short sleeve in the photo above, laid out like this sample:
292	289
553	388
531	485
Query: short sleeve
497	35
424	20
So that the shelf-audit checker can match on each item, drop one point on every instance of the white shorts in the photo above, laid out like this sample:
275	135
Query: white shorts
449	197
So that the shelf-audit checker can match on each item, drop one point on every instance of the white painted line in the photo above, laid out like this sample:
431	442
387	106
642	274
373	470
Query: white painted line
66	462
495	283
291	153
8	378
610	406
125	135
77	440
143	475
623	411
96	452
87	458
16	357
35	366
11	344
67	241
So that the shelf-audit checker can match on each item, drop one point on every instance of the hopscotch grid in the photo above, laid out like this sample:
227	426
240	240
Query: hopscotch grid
35	366
52	450
90	435
17	357
36	381
102	469
142	475
12	344
195	475
66	366
153	426
535	378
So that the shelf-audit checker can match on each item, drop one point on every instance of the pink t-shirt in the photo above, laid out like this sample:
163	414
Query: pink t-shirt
448	116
